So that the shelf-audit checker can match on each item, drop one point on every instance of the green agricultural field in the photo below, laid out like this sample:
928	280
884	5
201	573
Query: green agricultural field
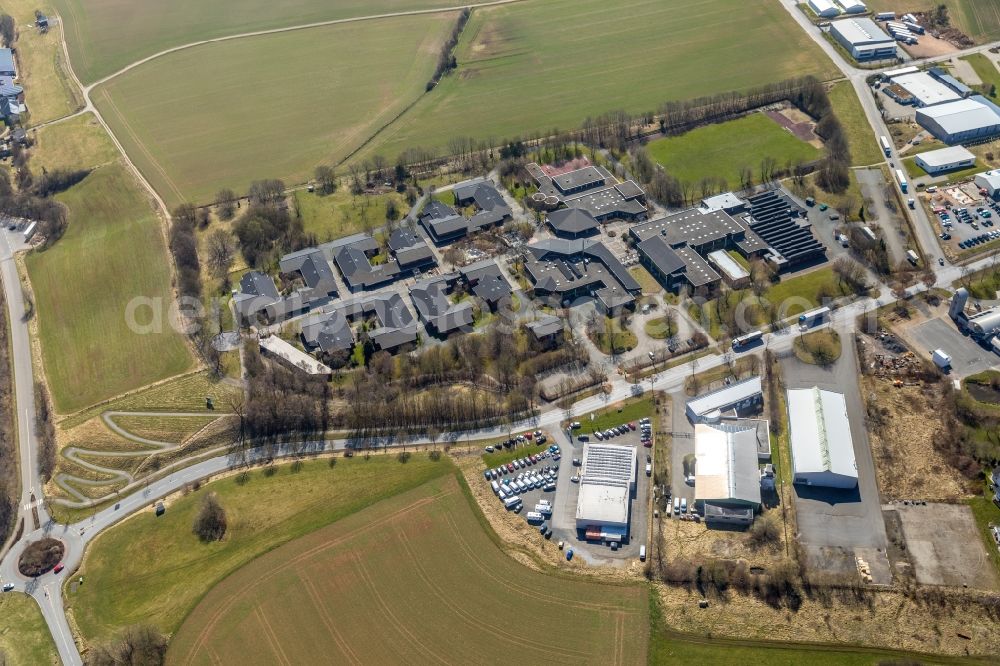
980	19
73	144
112	252
863	144
415	578
722	150
106	35
24	638
537	65
342	213
155	570
195	120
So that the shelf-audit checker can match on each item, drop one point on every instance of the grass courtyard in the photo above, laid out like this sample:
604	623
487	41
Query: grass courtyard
342	213
722	150
194	122
112	252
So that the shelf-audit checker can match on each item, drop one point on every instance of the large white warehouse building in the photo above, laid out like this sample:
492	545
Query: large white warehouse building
863	39
726	469
946	159
961	121
824	8
607	479
822	447
852	6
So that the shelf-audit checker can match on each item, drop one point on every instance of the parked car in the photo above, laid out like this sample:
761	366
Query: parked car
575	425
490	449
575	478
576	462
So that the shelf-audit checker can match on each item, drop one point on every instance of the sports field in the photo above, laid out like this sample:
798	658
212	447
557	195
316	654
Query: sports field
722	150
155	570
535	66
106	35
979	19
225	114
413	579
112	252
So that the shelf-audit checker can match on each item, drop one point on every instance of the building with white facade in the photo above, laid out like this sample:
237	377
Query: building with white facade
821	442
945	159
607	481
863	39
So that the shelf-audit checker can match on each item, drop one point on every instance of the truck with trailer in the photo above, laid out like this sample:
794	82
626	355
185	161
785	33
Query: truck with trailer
886	146
747	339
885	16
901	177
813	317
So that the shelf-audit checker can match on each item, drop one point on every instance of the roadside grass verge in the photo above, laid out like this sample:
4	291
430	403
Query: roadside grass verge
155	570
616	415
723	149
112	253
862	142
25	638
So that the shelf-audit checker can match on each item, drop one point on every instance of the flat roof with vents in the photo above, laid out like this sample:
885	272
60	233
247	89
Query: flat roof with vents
607	477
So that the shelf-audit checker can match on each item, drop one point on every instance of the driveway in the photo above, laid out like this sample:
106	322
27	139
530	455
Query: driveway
835	526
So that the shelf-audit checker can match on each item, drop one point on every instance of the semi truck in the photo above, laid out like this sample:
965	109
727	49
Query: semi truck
912	257
902	180
886	146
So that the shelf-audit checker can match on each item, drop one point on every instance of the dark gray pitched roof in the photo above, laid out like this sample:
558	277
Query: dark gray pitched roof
329	332
437	311
661	254
545	326
571	221
256	283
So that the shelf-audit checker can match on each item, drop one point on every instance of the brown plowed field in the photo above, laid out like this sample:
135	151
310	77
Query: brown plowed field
412	579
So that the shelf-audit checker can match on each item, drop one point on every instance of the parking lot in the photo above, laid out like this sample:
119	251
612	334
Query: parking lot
967	357
838	525
966	227
545	482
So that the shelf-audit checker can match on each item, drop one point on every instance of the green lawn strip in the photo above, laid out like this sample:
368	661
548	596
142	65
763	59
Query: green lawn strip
187	393
660	328
646	280
723	149
808	287
986	513
112	253
616	415
537	56
446	197
611	333
342	213
24	638
739	258
985	69
339	84
154	570
860	138
503	456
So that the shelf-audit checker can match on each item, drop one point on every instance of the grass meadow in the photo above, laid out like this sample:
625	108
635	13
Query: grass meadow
198	120
155	570
106	35
980	19
534	66
113	251
24	639
412	579
723	149
860	138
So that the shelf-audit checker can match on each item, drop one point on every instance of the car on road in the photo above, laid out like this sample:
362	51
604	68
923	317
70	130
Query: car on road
940	261
7	587
575	478
57	568
576	462
649	469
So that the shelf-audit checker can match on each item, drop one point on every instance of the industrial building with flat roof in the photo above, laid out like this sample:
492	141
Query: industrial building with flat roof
821	443
726	469
735	275
824	8
926	89
863	39
946	159
989	181
737	398
607	480
961	121
594	190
